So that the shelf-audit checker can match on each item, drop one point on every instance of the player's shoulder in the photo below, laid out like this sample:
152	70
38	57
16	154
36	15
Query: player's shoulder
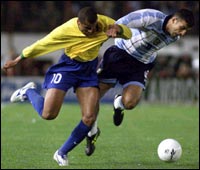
105	20
102	17
70	23
153	13
148	10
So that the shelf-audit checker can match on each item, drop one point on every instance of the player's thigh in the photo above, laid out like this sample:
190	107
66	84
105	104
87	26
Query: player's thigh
131	95
53	101
88	98
104	87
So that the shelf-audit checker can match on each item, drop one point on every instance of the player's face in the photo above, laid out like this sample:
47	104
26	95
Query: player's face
87	28
178	27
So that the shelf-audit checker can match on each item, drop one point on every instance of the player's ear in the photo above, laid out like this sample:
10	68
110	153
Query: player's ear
174	20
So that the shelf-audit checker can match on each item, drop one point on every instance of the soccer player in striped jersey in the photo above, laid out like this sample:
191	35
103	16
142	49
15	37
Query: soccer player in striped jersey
129	61
81	38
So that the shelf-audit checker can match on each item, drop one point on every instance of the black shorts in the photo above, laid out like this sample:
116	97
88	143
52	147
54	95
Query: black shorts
119	66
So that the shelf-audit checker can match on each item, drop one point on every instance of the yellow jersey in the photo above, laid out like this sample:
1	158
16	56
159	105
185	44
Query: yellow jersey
75	44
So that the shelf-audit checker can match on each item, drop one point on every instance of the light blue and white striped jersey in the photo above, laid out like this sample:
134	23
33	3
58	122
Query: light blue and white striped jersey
148	35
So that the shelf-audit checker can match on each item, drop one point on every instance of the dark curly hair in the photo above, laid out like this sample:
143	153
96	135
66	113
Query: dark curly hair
87	14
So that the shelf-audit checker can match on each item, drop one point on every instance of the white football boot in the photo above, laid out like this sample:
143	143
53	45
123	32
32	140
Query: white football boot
61	160
19	95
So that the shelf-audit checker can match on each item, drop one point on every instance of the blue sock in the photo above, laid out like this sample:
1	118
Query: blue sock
36	100
77	135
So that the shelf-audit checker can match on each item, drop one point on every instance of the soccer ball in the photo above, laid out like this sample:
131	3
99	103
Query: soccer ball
169	150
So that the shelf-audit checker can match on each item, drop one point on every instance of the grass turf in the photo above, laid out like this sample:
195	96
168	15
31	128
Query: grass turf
28	142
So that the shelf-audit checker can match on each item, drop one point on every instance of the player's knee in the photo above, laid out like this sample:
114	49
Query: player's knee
130	104
49	115
89	120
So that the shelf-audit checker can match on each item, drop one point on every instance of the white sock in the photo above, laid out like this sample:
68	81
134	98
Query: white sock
118	103
93	130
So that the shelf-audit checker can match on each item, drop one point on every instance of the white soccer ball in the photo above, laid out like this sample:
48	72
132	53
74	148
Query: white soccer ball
169	150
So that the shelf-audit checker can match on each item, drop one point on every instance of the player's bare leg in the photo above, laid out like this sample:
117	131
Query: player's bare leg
94	133
52	103
88	98
127	101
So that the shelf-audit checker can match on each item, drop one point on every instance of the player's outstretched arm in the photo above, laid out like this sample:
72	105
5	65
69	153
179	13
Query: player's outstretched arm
11	63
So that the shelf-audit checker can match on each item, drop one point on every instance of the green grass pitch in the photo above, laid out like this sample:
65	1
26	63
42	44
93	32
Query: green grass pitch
28	142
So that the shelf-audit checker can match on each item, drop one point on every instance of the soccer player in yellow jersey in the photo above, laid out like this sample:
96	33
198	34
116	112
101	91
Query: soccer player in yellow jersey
81	38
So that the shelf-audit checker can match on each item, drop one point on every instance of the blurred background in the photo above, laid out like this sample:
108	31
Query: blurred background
175	77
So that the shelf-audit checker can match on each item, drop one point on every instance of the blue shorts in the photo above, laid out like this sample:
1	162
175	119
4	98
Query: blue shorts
118	66
69	73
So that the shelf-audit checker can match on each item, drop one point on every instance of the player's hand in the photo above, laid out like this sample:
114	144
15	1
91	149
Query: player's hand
113	30
11	63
